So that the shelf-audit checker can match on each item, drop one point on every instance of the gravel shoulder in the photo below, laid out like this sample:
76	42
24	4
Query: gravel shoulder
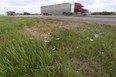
100	19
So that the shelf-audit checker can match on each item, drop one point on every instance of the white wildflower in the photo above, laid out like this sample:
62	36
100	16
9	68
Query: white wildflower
53	49
77	71
77	47
91	40
57	38
48	33
46	41
96	35
54	46
102	53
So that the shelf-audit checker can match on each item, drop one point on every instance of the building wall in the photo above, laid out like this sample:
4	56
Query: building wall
57	9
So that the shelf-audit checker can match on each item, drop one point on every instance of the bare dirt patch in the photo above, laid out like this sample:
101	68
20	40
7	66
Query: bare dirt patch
47	26
34	32
89	68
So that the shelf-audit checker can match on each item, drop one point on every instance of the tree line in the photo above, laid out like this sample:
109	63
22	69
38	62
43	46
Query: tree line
103	13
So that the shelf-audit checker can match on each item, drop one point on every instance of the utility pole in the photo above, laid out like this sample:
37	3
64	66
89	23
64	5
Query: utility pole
114	10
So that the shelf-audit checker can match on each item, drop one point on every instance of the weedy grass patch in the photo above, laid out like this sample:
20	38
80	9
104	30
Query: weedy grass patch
31	47
90	48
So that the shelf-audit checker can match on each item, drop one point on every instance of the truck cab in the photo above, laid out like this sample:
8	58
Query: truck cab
78	9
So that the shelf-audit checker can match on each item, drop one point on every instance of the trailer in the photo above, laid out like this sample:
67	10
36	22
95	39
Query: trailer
66	9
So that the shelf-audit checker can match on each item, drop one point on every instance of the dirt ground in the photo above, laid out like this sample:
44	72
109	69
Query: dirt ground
47	26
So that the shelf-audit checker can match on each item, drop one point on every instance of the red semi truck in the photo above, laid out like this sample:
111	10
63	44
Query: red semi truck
79	8
67	9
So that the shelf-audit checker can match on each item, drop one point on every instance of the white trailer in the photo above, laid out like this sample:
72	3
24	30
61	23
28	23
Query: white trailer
56	9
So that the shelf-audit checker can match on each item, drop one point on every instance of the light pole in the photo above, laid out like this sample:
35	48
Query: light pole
114	10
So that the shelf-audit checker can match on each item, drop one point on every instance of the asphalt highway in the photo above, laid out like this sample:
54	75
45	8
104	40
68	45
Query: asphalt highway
101	19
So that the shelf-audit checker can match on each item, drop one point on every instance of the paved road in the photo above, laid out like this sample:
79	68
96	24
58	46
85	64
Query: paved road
111	20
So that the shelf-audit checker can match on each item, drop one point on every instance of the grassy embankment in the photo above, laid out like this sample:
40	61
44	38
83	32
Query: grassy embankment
52	48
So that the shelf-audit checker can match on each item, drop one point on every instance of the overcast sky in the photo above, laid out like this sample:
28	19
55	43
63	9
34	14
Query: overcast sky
33	6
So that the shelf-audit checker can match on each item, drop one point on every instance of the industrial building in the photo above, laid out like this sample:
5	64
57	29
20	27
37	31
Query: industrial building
9	13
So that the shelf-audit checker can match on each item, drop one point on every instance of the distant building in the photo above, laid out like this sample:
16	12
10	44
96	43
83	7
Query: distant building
18	14
27	13
9	13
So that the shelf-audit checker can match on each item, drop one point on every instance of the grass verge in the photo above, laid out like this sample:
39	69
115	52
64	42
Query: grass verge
31	47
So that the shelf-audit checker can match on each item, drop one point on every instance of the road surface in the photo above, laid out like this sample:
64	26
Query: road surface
102	19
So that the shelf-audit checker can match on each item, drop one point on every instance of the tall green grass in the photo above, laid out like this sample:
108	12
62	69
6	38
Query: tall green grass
25	58
19	55
70	52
